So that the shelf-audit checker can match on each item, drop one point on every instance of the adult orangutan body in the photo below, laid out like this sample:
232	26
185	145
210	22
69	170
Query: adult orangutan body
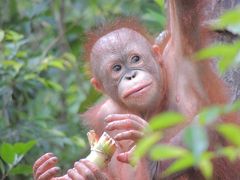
142	79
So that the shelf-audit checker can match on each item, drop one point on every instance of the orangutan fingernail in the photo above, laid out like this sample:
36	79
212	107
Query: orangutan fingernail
57	169
107	119
50	154
108	128
54	159
116	137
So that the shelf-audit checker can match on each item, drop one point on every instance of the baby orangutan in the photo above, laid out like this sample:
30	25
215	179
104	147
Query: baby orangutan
125	68
140	80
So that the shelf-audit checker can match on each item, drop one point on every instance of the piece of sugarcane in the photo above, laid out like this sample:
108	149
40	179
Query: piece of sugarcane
102	148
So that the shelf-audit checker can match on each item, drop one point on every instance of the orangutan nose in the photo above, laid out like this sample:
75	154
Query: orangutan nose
131	75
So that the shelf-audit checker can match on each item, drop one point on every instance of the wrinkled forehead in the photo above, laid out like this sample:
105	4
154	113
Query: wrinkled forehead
119	40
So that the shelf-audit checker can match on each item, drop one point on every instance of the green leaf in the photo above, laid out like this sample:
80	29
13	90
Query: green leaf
206	167
51	61
232	107
57	132
224	64
160	3
50	84
231	132
165	120
216	50
69	57
7	153
144	145
1	35
230	152
237	58
13	36
226	52
23	148
209	115
162	152
195	138
53	85
154	16
57	64
21	169
79	141
228	108
30	76
92	96
2	167
12	64
235	29
180	164
21	54
231	17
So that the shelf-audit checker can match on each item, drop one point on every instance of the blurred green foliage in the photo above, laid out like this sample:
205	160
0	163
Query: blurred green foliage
43	84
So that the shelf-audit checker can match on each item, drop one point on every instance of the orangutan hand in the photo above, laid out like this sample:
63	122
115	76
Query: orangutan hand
86	170
44	168
131	127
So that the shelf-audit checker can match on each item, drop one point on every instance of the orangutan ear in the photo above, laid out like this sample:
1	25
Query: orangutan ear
96	84
157	52
156	49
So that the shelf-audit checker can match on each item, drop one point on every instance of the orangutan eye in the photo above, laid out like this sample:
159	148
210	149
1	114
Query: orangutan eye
117	68
135	59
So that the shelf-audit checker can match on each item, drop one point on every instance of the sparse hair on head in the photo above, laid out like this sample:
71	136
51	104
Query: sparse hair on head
105	28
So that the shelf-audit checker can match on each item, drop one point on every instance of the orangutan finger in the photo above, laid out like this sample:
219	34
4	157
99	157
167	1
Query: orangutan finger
115	117
126	156
49	174
51	162
96	171
41	160
84	170
129	135
124	124
74	175
65	177
136	118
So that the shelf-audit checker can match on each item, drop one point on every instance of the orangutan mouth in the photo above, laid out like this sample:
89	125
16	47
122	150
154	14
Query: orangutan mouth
137	89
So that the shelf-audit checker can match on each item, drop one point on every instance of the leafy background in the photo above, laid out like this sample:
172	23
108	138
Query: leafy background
43	81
